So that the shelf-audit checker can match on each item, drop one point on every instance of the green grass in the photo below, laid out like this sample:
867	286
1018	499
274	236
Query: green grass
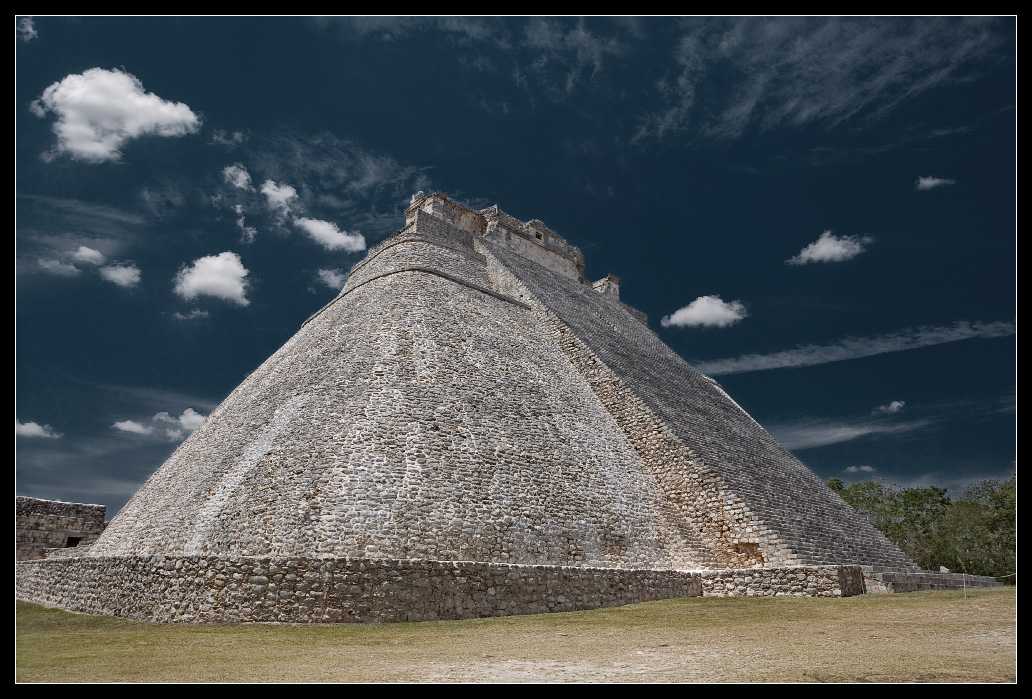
921	636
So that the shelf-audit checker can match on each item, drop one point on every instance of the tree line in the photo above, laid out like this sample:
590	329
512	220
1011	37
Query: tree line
973	533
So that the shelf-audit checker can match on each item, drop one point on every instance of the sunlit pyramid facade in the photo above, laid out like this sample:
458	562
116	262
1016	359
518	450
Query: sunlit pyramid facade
469	419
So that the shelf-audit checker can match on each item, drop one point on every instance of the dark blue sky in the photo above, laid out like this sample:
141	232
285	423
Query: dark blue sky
692	158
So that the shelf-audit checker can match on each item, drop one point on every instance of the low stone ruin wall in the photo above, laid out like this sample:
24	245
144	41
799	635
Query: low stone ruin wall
909	581
803	581
208	589
41	525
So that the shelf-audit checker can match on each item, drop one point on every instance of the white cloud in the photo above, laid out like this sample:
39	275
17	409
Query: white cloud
99	110
856	347
860	469
333	278
329	236
222	276
35	430
190	419
26	29
132	426
923	184
238	176
831	248
126	275
809	434
247	233
891	408
190	315
57	267
164	425
88	256
707	311
279	197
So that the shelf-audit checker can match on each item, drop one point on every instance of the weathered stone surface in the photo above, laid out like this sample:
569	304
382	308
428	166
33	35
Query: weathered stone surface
469	396
212	589
51	524
802	581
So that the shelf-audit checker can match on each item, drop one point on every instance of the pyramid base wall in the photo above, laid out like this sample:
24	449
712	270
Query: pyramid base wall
211	590
221	590
798	581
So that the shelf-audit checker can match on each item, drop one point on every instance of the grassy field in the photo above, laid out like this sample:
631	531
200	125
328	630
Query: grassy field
921	636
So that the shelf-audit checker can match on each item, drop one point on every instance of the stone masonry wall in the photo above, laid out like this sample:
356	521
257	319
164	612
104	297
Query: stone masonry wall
415	417
792	503
459	402
51	524
802	581
210	589
695	500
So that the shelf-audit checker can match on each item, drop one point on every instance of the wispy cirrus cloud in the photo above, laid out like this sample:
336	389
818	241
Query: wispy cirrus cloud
813	433
193	314
737	75
548	57
70	236
576	52
230	139
857	347
331	172
923	184
95	218
307	181
137	399
56	267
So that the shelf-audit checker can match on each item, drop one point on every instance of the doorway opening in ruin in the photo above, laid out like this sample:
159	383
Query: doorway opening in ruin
73	541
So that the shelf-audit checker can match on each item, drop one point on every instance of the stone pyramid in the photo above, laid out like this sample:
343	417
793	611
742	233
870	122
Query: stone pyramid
468	396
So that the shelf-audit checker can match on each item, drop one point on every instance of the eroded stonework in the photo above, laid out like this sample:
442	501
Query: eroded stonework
470	396
46	525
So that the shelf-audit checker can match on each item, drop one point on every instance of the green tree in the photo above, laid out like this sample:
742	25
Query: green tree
974	533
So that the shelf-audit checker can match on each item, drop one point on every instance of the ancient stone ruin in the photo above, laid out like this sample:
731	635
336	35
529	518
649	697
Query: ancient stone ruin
470	428
43	526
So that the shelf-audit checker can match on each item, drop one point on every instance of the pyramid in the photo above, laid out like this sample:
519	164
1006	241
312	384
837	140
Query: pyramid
469	419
